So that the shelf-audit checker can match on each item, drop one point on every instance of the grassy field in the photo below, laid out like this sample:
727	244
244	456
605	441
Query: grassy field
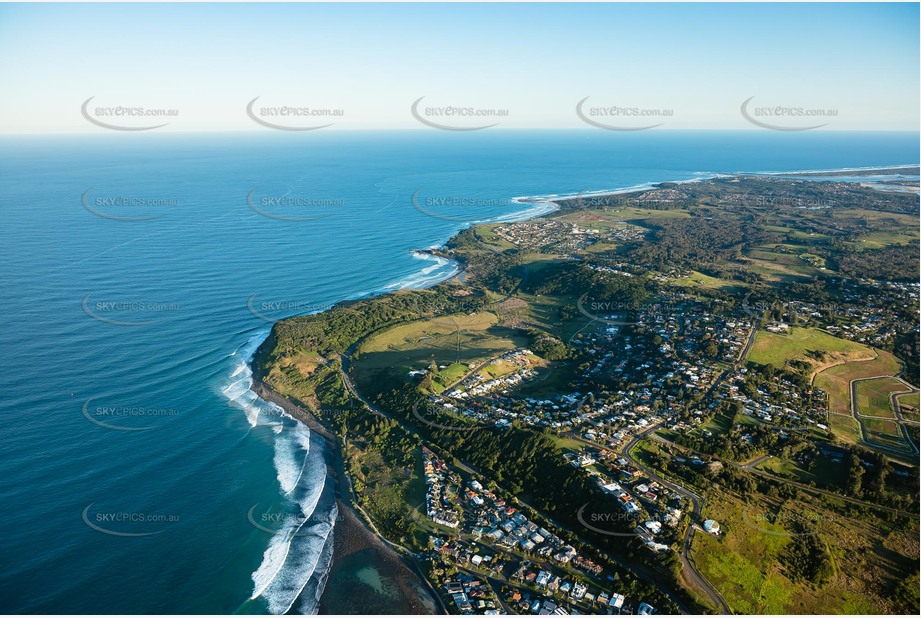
487	234
748	564
593	218
612	219
545	310
873	396
298	366
908	405
721	423
452	342
824	472
567	443
885	433
777	273
889	228
780	257
549	380
845	427
836	380
700	280
778	349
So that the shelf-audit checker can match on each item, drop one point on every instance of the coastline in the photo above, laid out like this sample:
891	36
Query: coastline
355	533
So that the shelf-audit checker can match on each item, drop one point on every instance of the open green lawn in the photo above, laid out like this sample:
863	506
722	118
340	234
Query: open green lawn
700	280
836	380
607	220
630	213
800	235
602	247
740	562
721	423
747	563
567	444
888	228
886	433
780	257
778	273
878	240
452	342
549	380
777	349
824	472
845	427
546	310
908	406
451	374
873	396
487	234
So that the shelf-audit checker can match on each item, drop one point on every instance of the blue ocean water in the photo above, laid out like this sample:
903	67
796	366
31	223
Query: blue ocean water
139	474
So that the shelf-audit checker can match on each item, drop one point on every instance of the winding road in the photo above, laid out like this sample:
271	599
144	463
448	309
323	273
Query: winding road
855	412
689	569
639	570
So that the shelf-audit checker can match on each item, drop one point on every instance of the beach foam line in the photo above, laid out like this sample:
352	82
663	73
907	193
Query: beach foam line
645	186
426	277
287	452
833	170
310	605
275	562
300	564
293	554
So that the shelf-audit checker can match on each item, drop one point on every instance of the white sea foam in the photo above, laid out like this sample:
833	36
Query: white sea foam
295	564
299	548
539	207
273	559
310	597
292	450
430	275
835	170
295	552
305	551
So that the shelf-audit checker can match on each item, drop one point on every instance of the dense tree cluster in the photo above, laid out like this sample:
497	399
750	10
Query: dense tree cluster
893	263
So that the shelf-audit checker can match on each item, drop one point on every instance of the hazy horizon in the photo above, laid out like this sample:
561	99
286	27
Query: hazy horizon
363	66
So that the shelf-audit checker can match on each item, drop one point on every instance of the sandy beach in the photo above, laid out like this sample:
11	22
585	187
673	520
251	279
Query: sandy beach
367	574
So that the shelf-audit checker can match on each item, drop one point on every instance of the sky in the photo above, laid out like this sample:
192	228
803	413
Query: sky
680	66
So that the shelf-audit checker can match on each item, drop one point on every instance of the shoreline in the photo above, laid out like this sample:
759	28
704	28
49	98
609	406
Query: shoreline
354	533
836	170
352	523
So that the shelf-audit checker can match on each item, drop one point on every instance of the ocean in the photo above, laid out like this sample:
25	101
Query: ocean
139	472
